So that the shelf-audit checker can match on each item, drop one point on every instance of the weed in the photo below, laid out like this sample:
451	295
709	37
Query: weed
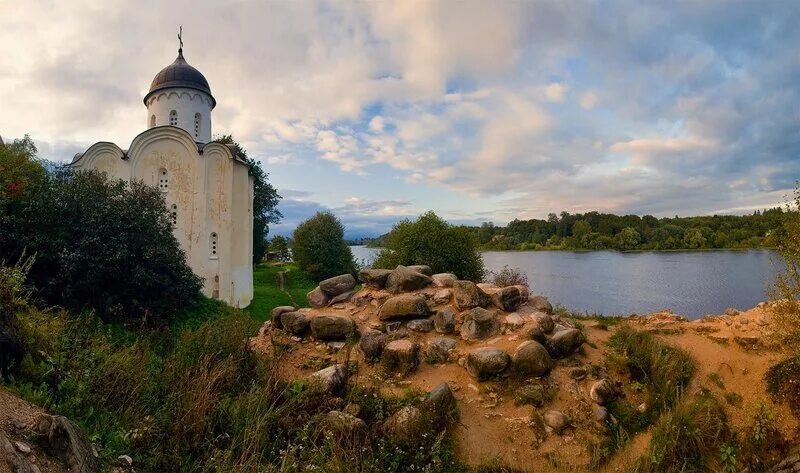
783	383
734	399
716	379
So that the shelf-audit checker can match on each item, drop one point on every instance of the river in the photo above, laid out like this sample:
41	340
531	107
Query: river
691	283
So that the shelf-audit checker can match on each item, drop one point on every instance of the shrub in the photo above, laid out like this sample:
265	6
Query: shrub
432	241
786	292
101	244
783	383
688	438
763	444
13	299
508	277
318	247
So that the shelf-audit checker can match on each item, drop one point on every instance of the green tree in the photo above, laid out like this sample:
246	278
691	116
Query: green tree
319	248
627	239
432	241
580	229
265	200
101	244
280	246
693	239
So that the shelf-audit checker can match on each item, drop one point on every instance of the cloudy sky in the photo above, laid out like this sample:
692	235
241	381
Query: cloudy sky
484	110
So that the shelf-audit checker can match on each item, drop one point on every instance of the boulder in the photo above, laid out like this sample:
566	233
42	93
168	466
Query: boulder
730	311
330	380
487	287
13	460
375	278
531	359
338	285
295	322
444	321
343	297
556	420
565	342
65	441
317	298
439	349
545	321
441	399
508	298
420	325
541	304
400	356
444	279
405	426
531	394
443	296
275	314
344	426
513	321
422	268
479	324
603	392
404	306
371	344
404	279
467	295
523	291
487	362
332	327
533	331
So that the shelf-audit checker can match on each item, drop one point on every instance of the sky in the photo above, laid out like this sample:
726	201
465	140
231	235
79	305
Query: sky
477	110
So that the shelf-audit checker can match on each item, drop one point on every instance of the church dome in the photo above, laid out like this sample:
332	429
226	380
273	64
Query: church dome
180	74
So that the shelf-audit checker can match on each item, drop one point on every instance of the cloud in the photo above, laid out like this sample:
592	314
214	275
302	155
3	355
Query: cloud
588	100
556	92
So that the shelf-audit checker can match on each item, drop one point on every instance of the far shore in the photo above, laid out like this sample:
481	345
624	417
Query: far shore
583	250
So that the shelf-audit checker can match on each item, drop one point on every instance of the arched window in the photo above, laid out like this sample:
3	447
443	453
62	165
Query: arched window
173	118
152	121
212	245
163	180
174	214
197	126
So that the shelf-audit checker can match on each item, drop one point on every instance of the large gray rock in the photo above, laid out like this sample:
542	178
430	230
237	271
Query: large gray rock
404	279
487	362
330	380
479	324
444	321
332	327
603	392
375	278
422	268
540	303
295	322
439	349
523	291
343	297
531	394
420	325
442	402
316	298
468	295
338	285
508	298
400	356
545	321
406	426
533	331
65	441
557	420
444	279
404	306
565	342
531	359
443	296
275	314
345	427
371	344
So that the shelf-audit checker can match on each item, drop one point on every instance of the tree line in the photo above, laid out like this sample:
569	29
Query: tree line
603	231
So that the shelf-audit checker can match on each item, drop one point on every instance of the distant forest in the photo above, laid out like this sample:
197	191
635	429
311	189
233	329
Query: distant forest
600	231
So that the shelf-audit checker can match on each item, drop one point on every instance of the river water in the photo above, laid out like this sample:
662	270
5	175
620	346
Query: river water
612	283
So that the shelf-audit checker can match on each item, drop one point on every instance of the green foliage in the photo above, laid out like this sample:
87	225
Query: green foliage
432	241
600	231
13	300
690	438
279	246
265	200
266	290
786	292
783	382
20	170
665	370
102	244
319	249
762	443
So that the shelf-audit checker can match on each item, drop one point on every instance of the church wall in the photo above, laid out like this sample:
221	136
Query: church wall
241	260
186	103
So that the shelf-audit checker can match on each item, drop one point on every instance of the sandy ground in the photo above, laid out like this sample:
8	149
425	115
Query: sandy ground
16	419
494	429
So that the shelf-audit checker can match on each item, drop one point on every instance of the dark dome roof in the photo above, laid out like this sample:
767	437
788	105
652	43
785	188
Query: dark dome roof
180	74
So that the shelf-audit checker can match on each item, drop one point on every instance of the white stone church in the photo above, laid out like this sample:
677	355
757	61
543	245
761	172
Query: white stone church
206	185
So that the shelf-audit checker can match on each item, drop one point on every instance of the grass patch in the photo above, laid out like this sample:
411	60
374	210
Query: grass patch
716	380
783	383
602	322
266	290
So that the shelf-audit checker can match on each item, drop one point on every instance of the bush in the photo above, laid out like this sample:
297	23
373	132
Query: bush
786	292
508	277
783	383
432	241
13	299
319	249
100	244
